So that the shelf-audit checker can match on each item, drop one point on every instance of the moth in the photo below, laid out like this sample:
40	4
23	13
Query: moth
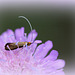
12	46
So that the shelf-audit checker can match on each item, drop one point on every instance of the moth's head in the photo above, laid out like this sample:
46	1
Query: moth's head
29	43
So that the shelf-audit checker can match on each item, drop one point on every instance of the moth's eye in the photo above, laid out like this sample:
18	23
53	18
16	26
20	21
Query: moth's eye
29	42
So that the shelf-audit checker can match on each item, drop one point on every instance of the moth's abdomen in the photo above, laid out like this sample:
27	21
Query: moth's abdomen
10	46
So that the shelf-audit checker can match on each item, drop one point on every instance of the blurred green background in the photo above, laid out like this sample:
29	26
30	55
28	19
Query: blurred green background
51	24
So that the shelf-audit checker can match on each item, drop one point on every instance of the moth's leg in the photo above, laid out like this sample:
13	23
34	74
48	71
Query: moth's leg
17	44
9	48
26	47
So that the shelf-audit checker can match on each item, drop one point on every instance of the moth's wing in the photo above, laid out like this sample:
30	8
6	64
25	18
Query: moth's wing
10	46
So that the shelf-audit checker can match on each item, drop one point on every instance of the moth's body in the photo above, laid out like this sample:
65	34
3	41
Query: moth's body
13	46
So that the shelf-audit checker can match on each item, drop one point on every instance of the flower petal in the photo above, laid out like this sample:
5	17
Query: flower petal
59	64
38	50
33	47
57	72
32	35
43	49
19	34
37	41
60	73
8	36
52	56
29	60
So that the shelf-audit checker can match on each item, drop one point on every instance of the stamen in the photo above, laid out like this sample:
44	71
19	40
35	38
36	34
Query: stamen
10	35
25	34
20	39
3	60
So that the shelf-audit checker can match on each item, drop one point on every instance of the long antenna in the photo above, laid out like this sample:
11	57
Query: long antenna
28	22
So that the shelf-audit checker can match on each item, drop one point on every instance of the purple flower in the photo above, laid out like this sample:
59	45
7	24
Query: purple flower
29	60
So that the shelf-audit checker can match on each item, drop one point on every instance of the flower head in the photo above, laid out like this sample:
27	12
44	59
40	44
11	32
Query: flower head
28	60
